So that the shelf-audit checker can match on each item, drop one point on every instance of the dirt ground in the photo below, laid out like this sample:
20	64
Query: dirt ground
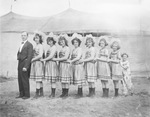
137	105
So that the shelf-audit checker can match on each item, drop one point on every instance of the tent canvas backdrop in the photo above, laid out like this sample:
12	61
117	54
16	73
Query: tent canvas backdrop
69	21
72	20
12	22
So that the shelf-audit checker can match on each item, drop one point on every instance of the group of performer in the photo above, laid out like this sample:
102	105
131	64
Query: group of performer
79	68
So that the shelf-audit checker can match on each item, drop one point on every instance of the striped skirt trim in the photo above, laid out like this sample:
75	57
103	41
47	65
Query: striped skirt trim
103	70
90	71
117	77
51	79
51	71
65	80
79	82
37	71
78	77
91	78
36	77
65	72
102	77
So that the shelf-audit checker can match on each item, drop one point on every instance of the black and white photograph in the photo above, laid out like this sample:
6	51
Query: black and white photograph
74	58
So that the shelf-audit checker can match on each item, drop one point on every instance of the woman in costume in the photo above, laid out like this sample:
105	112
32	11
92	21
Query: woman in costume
103	69
37	67
51	69
116	70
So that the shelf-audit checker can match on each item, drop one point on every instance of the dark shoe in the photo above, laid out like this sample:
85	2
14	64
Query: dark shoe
66	93
104	92
52	93
19	96
41	92
93	91
90	92
116	92
107	92
37	93
63	92
25	98
80	93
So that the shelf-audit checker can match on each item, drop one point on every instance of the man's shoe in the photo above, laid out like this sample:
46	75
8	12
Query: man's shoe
25	98
19	96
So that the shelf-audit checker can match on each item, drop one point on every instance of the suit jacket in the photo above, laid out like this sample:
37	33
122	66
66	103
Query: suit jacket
26	54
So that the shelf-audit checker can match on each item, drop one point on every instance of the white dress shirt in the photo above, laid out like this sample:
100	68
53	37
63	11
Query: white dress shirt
22	45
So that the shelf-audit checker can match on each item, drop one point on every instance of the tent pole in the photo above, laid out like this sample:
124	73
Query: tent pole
11	6
141	35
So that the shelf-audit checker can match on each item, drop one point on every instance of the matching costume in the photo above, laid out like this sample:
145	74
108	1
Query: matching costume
116	70
37	67
103	69
90	67
78	73
64	67
77	68
51	68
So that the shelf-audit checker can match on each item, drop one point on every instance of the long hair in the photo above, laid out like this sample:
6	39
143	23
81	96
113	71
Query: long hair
115	42
90	38
104	40
76	39
40	38
62	38
51	39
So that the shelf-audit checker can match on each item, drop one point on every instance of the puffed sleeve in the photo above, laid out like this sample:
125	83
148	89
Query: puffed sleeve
79	52
119	56
54	49
106	53
41	50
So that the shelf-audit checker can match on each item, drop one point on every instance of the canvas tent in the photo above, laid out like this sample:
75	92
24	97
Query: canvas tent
72	20
12	22
11	25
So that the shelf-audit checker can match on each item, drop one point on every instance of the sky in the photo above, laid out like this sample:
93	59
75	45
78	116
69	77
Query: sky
42	8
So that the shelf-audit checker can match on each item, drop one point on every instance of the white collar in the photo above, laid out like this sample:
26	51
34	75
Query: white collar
24	42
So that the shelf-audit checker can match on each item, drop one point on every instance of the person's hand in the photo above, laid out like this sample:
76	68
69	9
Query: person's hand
24	69
109	60
55	59
32	60
42	60
70	61
81	61
94	61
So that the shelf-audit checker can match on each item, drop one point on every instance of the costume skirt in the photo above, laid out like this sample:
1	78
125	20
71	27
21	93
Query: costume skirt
116	71
90	71
37	71
65	72
78	77
103	70
51	71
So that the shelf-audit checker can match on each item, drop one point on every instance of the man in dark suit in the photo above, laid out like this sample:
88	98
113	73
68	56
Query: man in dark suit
24	57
